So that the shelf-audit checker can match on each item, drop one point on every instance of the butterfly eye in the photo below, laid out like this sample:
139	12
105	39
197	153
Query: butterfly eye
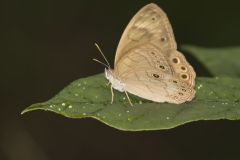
175	60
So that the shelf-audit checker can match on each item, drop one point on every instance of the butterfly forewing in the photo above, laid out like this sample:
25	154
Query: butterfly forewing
149	24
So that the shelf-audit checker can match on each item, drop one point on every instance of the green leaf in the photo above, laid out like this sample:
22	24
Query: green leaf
219	61
216	98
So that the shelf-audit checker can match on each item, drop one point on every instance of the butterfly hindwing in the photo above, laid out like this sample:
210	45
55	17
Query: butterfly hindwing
146	72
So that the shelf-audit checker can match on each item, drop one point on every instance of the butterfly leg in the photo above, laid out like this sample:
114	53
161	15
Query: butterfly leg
128	98
108	83
112	94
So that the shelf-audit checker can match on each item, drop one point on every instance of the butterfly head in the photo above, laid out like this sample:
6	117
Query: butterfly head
116	83
108	74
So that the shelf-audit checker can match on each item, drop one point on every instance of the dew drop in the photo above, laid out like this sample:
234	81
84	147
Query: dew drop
216	77
51	106
224	103
200	86
84	114
140	102
76	94
129	119
124	98
119	114
210	93
70	106
79	84
167	118
83	88
103	117
63	104
59	109
85	82
96	96
127	111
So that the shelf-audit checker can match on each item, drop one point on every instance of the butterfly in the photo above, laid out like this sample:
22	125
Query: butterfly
147	63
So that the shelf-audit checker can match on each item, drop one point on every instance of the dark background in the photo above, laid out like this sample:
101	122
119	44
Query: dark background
46	44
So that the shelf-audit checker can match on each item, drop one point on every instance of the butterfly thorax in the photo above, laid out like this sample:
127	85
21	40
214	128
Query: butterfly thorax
116	83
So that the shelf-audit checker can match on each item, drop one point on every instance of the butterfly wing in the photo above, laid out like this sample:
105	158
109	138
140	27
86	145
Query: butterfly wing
147	73
150	24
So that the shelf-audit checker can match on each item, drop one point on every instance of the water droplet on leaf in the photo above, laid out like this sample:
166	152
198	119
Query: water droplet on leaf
129	119
200	86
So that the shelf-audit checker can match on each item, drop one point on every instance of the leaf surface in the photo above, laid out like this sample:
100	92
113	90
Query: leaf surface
216	98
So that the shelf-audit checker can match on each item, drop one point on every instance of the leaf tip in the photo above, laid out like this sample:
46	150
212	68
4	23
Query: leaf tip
24	111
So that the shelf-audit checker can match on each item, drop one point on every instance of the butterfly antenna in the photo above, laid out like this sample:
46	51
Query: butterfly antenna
108	65
96	60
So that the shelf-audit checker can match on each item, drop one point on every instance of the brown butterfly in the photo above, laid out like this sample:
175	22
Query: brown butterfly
147	63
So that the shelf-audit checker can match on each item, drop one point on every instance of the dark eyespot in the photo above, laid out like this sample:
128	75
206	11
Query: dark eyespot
153	18
153	53
162	67
184	76
163	39
174	81
175	60
180	93
156	75
183	68
184	90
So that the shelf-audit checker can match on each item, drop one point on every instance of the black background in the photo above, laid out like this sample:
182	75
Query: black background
47	44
